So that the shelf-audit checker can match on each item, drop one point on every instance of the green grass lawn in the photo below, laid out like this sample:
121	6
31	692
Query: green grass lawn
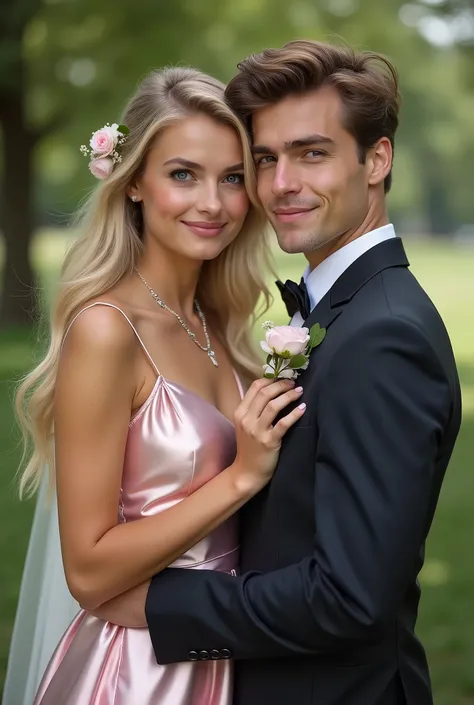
446	623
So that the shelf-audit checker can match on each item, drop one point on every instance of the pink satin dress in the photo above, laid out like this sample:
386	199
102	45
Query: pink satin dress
176	443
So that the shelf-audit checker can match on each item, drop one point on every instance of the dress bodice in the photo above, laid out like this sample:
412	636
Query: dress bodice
177	442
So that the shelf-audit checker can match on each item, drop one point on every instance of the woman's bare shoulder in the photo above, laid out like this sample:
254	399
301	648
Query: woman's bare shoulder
101	325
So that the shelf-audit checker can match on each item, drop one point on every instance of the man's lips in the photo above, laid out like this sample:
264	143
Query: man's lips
205	228
289	215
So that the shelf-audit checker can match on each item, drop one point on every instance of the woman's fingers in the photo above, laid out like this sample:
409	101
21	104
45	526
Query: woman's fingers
254	389
267	395
276	405
285	423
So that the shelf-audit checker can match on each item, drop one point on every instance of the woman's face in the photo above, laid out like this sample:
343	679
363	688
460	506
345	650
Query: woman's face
192	188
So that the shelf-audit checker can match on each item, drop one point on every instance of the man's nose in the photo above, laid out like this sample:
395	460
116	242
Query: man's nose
285	180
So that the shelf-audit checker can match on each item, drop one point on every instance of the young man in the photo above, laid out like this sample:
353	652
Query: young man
324	610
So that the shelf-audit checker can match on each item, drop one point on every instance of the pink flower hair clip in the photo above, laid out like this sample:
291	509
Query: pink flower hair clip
104	149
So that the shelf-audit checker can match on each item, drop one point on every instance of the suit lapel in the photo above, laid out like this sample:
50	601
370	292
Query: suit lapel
389	253
323	313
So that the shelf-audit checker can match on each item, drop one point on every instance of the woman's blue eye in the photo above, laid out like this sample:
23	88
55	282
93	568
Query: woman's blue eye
234	179
180	175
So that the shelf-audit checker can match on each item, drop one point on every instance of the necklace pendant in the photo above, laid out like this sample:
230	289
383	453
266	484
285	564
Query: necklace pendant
192	335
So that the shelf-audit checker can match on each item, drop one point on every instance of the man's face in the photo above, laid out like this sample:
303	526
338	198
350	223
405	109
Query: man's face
310	180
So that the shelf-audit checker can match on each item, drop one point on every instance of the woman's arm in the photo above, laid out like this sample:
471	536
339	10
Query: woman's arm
95	390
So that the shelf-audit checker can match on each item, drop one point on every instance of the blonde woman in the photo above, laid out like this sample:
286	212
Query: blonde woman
156	446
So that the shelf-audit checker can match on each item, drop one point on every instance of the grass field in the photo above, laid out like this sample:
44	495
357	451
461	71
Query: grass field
446	623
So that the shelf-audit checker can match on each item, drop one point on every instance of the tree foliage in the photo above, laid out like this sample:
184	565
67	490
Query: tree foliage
68	66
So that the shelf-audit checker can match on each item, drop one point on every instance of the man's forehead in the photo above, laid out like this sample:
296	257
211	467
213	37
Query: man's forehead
314	113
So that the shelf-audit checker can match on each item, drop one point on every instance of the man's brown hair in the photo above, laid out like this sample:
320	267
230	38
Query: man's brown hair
367	84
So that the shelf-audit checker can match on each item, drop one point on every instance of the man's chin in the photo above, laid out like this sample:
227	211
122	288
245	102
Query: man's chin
292	243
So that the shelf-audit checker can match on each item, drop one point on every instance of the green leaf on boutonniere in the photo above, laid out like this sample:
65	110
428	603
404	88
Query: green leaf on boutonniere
269	358
269	375
316	335
298	361
123	129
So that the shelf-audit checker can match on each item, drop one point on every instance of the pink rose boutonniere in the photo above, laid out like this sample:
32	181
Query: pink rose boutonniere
288	349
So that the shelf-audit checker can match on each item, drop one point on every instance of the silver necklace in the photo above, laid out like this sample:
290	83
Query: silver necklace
207	348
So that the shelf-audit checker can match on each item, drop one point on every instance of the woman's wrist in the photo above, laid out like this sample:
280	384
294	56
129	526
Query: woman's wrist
245	483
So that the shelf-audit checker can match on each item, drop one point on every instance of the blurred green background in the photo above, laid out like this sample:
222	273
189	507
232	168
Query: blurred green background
67	67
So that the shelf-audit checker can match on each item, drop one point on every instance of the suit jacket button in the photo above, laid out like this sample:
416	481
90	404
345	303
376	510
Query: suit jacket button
193	656
215	654
225	653
204	655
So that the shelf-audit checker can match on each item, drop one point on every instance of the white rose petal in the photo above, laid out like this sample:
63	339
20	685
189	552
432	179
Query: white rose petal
265	347
113	132
288	374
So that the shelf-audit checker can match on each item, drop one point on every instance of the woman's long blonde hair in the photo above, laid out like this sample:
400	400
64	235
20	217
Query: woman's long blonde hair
111	242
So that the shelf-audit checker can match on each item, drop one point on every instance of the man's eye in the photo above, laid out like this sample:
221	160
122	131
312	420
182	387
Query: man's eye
265	160
314	153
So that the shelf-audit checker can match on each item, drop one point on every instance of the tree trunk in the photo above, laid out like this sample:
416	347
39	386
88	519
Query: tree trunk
17	298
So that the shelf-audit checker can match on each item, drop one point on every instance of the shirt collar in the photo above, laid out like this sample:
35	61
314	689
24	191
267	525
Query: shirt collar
322	277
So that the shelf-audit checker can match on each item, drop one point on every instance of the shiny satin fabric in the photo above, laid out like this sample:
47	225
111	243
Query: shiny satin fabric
177	442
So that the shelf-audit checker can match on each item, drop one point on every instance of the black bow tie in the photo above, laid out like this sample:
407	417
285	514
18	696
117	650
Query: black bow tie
295	297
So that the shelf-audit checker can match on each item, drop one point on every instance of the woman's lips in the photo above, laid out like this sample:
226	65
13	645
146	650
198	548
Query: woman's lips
204	228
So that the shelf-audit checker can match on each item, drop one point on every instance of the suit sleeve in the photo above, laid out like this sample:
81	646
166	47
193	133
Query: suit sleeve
382	409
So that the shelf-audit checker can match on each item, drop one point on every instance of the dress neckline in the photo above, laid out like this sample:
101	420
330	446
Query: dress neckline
170	383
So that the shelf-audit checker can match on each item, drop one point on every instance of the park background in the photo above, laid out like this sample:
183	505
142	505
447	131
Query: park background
68	66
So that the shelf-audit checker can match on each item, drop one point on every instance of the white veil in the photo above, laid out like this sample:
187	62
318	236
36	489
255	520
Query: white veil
45	606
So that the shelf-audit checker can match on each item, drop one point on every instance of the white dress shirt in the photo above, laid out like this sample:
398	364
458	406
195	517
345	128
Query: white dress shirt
322	278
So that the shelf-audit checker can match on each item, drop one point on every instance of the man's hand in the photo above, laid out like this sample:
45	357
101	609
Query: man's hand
126	610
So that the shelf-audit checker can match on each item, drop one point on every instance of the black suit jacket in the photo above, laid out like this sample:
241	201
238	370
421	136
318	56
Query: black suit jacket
324	611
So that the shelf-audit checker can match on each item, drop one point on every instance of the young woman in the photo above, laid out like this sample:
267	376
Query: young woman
156	445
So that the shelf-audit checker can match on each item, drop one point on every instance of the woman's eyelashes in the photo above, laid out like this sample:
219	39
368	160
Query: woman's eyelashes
234	179
181	175
184	175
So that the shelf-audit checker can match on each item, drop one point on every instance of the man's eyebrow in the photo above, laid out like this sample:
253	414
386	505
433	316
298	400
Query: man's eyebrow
260	149
307	141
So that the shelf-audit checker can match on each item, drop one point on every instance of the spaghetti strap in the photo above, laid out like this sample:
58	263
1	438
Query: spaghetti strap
104	303
239	384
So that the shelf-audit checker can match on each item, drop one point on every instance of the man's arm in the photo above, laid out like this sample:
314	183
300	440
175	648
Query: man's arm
382	411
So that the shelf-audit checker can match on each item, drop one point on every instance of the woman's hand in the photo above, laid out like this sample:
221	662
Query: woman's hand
258	440
125	610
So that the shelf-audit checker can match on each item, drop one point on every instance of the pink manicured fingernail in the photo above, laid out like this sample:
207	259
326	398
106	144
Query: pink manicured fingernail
299	389
302	407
